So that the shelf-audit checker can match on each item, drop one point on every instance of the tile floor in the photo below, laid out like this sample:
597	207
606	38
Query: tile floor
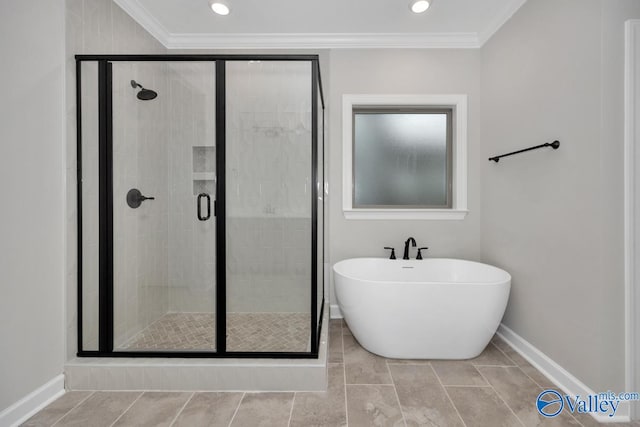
497	388
246	332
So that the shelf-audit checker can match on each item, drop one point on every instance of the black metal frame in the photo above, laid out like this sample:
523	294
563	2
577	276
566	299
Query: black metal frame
79	199
221	197
105	203
105	347
317	84
314	209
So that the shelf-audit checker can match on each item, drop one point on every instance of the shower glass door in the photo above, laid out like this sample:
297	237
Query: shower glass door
163	186
200	205
269	196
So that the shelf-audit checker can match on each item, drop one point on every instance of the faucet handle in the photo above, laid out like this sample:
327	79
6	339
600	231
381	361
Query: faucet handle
393	252
419	256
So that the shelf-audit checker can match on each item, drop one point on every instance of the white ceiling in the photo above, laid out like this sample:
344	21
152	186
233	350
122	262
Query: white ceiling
321	23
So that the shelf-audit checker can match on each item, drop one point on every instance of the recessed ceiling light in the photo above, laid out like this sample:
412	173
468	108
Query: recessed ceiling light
219	7
419	6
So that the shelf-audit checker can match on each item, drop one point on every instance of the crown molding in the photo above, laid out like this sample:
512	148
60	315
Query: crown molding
321	41
499	21
142	16
471	40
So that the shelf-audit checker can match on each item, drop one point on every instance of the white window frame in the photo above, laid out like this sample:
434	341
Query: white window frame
458	103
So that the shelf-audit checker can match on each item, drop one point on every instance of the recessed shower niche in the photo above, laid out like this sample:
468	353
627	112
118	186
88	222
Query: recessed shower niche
223	254
204	170
204	159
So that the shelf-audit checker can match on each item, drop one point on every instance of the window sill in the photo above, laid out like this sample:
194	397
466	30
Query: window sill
404	214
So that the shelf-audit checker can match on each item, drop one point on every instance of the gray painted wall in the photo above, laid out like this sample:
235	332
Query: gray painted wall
554	219
32	188
403	71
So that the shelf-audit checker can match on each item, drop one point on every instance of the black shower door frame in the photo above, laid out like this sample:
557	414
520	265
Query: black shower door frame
105	203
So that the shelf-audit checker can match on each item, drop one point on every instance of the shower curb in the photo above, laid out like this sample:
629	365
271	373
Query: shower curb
174	374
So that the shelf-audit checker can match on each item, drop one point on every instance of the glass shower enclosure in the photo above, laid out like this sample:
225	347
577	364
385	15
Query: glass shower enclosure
200	199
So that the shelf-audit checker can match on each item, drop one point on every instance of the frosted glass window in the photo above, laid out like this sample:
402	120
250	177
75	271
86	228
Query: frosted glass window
401	158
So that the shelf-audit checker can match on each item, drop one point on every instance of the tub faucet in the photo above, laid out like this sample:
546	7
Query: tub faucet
406	247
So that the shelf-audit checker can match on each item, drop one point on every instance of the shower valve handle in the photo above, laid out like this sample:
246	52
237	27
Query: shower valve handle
135	198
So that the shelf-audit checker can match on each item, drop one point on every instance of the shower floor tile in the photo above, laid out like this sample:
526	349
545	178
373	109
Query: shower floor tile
176	331
277	332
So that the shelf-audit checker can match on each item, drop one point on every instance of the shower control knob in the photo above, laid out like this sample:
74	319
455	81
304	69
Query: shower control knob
135	198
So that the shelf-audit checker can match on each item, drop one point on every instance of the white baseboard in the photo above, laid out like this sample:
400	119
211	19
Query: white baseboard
335	312
557	374
26	407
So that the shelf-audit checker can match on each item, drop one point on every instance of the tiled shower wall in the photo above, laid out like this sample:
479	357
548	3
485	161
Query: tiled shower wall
191	170
92	26
268	186
140	243
268	264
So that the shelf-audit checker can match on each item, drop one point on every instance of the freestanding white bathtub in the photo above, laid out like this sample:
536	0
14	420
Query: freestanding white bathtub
421	309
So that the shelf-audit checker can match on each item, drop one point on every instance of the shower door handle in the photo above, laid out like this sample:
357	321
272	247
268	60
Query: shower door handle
199	203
